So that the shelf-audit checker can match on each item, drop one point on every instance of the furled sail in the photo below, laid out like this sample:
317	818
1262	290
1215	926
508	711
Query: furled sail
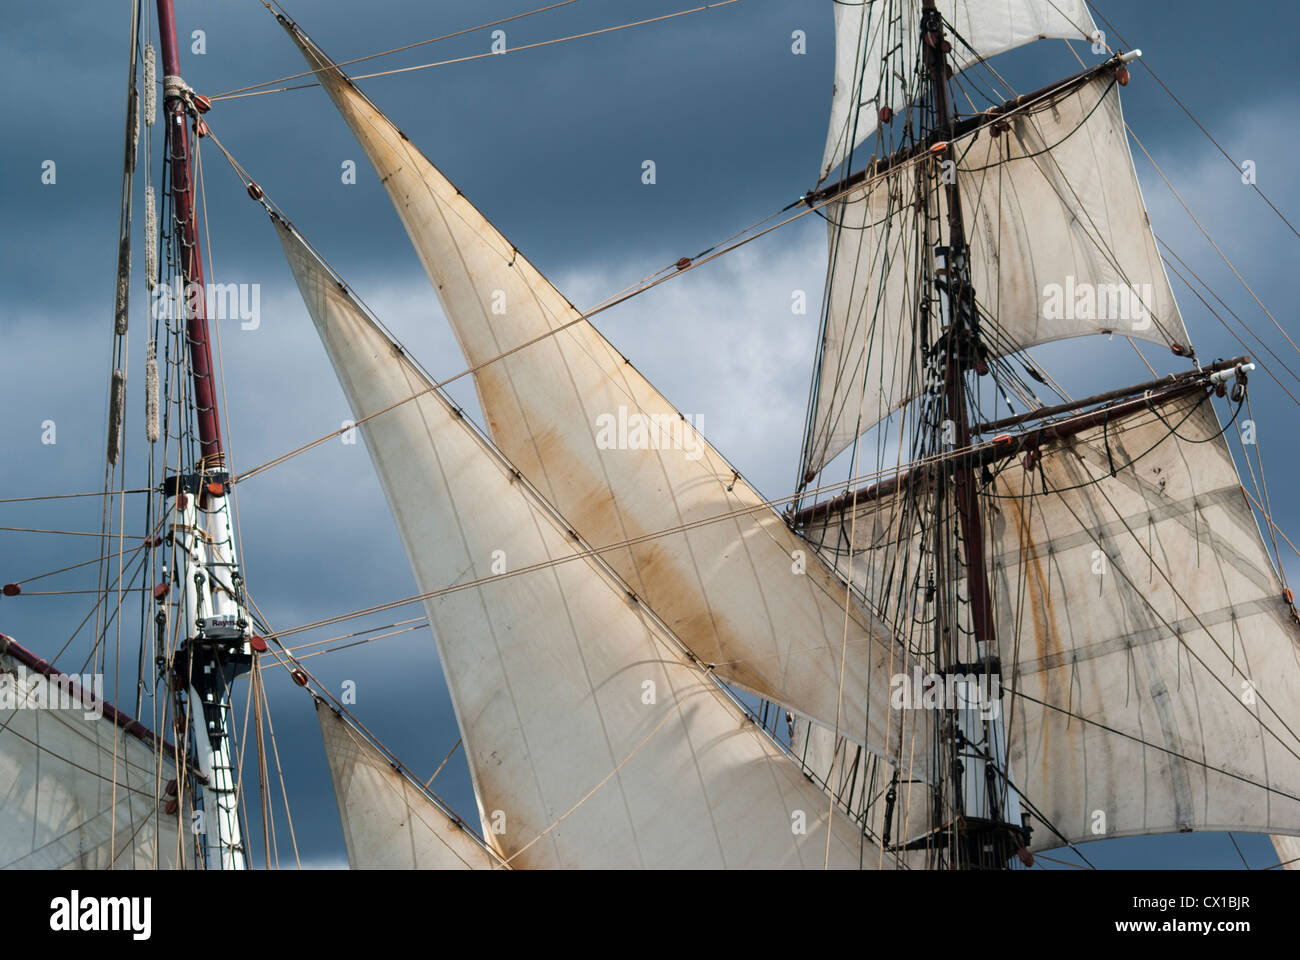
877	44
79	783
703	550
593	738
1150	661
389	821
1060	246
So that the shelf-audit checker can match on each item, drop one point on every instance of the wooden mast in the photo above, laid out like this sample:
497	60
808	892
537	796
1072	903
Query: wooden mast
974	841
191	255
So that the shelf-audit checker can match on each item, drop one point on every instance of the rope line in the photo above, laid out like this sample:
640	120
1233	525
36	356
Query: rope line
383	53
480	56
1235	166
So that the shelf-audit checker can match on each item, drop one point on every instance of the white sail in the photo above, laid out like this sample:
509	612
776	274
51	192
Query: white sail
1060	246
77	789
1288	851
621	463
593	738
876	42
389	822
1151	665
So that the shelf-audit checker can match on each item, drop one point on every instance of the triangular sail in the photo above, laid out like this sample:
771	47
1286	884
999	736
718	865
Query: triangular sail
79	784
1060	246
1150	661
877	44
623	465
593	738
390	822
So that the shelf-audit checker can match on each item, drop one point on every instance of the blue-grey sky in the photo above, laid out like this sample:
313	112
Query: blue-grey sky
549	143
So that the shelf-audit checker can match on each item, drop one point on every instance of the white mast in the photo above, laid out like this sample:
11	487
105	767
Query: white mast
214	653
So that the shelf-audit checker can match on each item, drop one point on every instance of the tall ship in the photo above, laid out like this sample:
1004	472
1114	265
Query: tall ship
987	623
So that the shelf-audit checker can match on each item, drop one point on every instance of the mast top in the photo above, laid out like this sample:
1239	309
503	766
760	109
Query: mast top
176	102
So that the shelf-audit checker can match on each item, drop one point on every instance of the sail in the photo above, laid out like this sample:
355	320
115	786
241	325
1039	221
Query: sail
593	738
1288	851
877	42
390	822
1150	661
704	550
1060	246
79	783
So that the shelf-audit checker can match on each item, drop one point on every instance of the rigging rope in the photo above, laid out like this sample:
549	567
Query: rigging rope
1190	608
317	689
580	318
1245	326
628	293
1155	746
1210	239
1235	166
596	552
383	53
84	563
67	496
668	715
70	533
480	56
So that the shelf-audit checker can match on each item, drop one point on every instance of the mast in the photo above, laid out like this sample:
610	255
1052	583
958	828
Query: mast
215	646
975	748
182	189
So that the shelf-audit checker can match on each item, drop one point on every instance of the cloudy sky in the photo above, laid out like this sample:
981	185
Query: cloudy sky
549	143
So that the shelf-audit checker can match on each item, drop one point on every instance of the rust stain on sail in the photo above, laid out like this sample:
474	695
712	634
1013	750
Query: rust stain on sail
1046	635
673	579
584	499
